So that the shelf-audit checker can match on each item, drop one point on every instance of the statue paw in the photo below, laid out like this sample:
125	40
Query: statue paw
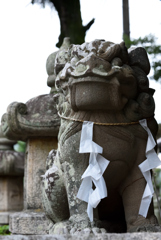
146	228
87	231
60	228
77	225
145	225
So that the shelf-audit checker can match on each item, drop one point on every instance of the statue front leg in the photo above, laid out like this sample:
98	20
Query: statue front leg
54	197
132	196
73	166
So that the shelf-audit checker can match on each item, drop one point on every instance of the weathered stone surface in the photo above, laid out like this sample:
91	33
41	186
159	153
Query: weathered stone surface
103	83
11	193
126	236
11	196
138	57
29	222
5	143
37	123
32	220
38	117
11	163
11	179
4	217
36	155
50	70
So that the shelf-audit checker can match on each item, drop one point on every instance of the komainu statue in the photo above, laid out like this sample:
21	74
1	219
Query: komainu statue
99	179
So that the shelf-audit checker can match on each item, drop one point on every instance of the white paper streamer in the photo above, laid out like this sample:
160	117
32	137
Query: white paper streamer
94	172
152	161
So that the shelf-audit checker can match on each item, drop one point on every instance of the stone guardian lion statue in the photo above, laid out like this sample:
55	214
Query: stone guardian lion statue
106	84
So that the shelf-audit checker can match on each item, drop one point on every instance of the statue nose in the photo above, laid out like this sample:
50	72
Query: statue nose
92	64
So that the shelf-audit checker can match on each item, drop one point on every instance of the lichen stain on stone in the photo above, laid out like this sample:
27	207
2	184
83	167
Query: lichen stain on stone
81	68
36	115
72	203
73	179
100	70
72	171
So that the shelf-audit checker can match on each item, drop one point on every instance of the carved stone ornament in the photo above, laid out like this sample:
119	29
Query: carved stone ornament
11	162
37	123
38	117
105	86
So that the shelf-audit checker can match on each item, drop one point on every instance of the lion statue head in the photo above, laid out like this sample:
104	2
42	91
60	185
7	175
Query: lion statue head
101	76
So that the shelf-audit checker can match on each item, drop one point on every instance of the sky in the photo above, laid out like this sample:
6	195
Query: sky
29	33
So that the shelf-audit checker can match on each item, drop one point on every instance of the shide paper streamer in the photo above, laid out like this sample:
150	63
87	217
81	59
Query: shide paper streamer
94	172
98	164
152	161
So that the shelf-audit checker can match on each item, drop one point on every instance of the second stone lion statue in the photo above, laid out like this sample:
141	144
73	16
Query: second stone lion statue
99	179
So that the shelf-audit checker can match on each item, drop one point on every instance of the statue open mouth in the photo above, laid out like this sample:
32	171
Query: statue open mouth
92	93
93	88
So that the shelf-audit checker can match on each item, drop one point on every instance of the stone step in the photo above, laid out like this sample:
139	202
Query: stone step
106	236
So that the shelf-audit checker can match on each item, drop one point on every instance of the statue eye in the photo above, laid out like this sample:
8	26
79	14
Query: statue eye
58	68
101	51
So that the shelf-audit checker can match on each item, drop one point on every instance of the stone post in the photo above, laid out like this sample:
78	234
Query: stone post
37	123
11	179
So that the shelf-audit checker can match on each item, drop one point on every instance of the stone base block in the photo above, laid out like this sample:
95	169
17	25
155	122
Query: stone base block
4	218
112	236
28	222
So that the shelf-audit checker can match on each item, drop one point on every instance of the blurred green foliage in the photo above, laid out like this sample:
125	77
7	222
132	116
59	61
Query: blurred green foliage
4	230
20	146
157	176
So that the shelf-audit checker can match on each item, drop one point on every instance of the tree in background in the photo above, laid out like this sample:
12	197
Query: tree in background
71	26
148	42
70	19
126	21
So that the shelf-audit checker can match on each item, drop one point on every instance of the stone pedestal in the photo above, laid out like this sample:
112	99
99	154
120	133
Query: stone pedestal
36	154
11	197
106	236
11	179
32	219
29	222
37	123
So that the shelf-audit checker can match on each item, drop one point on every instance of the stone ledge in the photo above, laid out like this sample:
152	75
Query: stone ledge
28	222
125	236
38	117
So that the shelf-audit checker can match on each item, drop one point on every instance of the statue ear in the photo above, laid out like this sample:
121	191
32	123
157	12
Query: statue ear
138	57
